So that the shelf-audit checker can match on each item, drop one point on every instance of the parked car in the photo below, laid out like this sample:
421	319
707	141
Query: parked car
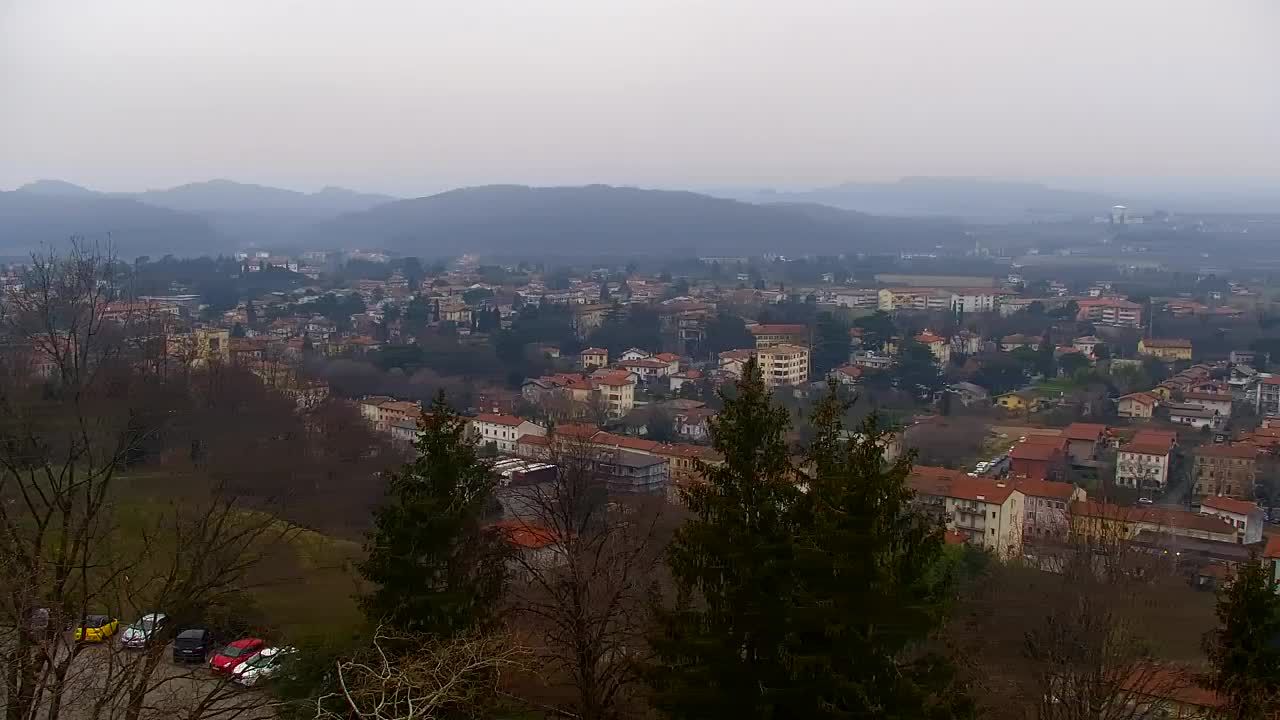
141	632
226	659
192	645
96	628
261	666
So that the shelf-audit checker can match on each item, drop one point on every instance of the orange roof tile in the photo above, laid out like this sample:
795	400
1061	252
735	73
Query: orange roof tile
1231	505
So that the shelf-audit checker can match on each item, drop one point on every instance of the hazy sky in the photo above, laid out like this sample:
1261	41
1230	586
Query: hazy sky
418	95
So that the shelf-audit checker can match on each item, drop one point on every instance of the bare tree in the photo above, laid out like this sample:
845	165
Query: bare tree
425	679
586	568
1075	635
88	399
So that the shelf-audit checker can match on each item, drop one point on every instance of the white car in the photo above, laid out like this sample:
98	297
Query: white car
261	666
139	633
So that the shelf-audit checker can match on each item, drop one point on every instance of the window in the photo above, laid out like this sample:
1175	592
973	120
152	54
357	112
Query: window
993	515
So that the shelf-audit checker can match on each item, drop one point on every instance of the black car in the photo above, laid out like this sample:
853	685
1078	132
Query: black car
193	645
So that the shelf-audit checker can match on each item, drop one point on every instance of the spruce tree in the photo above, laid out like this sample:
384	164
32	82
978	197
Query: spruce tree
723	644
436	569
1244	652
866	588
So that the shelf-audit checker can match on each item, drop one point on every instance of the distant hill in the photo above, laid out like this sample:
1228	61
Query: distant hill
599	219
237	214
961	198
30	219
226	196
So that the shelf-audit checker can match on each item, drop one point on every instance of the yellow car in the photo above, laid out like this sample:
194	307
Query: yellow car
96	628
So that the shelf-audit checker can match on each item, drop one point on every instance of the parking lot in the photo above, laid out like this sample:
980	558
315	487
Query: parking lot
102	679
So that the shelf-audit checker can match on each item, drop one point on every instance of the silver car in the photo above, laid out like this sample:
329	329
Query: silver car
141	632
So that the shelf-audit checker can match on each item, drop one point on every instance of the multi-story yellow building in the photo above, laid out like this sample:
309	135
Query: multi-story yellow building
784	365
1167	349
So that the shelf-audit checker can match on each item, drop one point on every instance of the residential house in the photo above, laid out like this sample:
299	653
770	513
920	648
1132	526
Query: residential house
678	380
1217	403
1225	470
694	424
1039	458
1083	440
403	431
593	357
1137	405
871	361
968	343
647	369
976	300
671	359
1047	512
861	298
1193	415
1009	343
1167	349
1087	345
634	354
1019	401
733	361
969	394
846	374
617	389
503	431
1246	516
1143	464
1114	312
937	345
770	335
989	512
1169	692
914	298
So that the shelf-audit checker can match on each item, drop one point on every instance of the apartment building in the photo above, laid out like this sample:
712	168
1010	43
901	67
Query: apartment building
1246	517
859	298
1225	471
989	513
914	298
503	431
1143	465
784	365
1115	312
1047	513
1266	396
780	334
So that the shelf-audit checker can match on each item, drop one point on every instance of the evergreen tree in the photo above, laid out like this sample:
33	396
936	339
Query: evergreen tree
866	589
604	291
719	657
830	345
250	314
1244	651
237	331
437	571
1046	365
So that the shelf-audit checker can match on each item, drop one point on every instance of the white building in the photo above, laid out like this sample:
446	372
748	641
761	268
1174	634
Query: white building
975	300
784	364
503	431
988	513
1247	517
1143	465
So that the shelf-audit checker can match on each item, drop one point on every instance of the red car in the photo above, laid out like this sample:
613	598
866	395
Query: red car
235	653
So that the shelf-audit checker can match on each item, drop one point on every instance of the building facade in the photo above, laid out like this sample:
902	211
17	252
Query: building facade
1225	471
784	365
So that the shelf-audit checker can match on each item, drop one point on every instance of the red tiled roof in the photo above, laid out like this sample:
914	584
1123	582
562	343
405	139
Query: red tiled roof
525	535
1034	451
927	480
667	357
1163	437
1219	397
1174	684
1141	397
1045	488
1227	451
955	537
1231	505
1273	547
510	420
1166	343
645	363
615	379
594	351
1145	448
778	329
1084	431
1153	516
929	338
